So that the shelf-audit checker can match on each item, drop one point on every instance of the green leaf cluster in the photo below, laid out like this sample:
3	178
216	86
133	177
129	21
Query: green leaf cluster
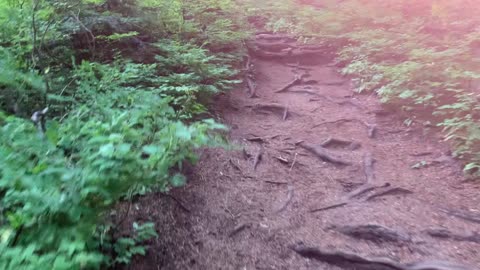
116	127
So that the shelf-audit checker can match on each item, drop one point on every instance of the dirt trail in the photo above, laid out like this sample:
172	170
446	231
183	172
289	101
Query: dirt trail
239	217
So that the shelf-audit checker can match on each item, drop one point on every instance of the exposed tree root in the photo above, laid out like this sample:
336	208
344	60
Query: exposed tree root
245	154
322	97
351	102
370	127
335	142
296	81
304	91
283	160
310	82
249	78
272	107
296	66
472	217
328	207
335	122
235	166
285	114
323	154
268	55
346	260
273	47
276	182
281	46
341	102
268	107
421	154
302	52
334	83
255	139
258	158
355	194
288	53
368	186
178	202
389	191
289	198
368	162
374	233
353	261
299	80
275	37
252	89
448	235
240	227
248	64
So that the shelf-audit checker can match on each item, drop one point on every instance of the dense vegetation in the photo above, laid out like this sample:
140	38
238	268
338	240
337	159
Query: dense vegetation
104	100
422	57
115	90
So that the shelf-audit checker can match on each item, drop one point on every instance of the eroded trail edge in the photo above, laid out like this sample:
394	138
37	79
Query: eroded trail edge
320	179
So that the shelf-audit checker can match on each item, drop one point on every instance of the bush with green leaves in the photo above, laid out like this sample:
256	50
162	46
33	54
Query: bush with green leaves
59	187
115	128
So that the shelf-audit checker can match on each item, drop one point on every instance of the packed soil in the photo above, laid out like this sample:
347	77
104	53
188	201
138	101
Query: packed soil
395	191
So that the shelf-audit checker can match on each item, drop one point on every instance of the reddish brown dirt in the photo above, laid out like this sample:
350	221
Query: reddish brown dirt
224	191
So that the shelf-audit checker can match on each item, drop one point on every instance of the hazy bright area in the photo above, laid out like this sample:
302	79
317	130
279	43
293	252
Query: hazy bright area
230	134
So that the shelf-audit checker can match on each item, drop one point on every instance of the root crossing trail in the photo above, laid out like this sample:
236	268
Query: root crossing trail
320	179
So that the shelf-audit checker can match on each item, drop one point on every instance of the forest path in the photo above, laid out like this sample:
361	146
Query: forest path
237	216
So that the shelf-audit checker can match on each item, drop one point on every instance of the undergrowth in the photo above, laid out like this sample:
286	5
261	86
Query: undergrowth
115	90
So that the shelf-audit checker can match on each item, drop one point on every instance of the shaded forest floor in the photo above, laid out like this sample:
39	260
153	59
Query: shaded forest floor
398	193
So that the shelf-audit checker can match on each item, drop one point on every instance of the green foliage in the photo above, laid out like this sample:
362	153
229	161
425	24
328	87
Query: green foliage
116	127
216	24
127	247
60	187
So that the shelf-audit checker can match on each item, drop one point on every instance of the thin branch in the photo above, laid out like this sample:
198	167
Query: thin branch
35	4
92	36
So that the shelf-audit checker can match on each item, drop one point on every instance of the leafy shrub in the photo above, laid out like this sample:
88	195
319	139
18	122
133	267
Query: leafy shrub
115	127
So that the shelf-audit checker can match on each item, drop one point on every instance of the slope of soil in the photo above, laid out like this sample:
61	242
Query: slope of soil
236	216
